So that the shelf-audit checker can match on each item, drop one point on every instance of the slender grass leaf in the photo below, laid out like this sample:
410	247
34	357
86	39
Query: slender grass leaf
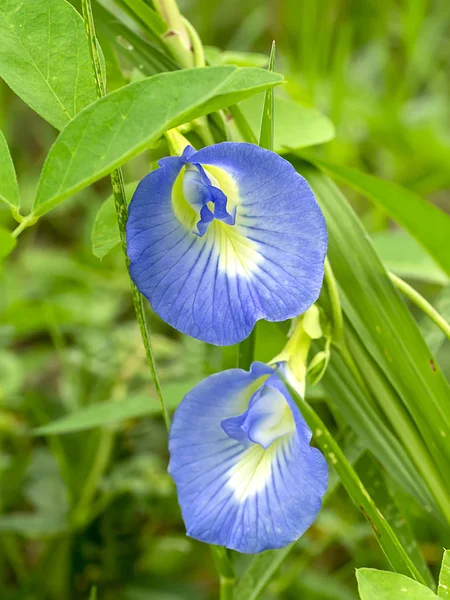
297	126
402	255
378	487
9	190
258	574
387	330
389	543
444	576
122	124
266	135
105	232
368	423
44	57
93	593
383	585
106	413
7	243
429	225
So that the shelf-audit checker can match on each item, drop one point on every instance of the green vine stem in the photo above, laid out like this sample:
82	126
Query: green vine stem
226	572
421	303
122	210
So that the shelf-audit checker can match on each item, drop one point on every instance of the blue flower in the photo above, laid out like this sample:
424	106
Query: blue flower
246	475
223	237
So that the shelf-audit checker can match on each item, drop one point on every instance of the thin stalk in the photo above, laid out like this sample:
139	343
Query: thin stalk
246	351
227	575
336	310
122	210
421	303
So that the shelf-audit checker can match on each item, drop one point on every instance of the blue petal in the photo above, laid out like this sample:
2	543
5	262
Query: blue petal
259	255
232	491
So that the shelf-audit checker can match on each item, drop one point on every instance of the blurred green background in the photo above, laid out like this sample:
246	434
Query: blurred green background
97	507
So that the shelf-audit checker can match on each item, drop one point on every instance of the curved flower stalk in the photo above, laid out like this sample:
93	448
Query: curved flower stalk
223	237
246	475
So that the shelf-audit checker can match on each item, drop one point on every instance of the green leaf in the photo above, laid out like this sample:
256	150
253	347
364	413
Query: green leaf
429	225
378	486
383	585
45	58
9	190
403	372
7	243
433	335
105	232
110	412
402	255
259	573
266	135
444	576
119	126
297	126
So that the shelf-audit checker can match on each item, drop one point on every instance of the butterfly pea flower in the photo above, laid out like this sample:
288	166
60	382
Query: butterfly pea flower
240	455
224	236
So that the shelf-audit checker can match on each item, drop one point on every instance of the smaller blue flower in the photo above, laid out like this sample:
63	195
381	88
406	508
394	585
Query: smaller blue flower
223	237
240	455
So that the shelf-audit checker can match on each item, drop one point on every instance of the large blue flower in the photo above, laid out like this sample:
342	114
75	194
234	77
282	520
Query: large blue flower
223	237
246	475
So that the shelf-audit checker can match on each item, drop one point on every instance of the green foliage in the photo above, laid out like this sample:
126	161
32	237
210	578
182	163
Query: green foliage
105	232
297	126
7	243
106	413
424	221
119	126
444	576
86	502
9	190
381	585
35	38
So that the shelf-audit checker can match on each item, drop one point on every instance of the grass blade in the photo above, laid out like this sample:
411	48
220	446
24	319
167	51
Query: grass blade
429	225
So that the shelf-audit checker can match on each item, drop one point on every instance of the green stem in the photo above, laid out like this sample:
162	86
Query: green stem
421	303
246	351
336	310
26	222
227	576
102	455
122	211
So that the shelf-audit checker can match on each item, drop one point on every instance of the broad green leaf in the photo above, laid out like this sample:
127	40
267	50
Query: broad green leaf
296	126
7	243
383	585
44	57
402	255
444	576
106	413
122	124
429	225
105	232
404	373
9	190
